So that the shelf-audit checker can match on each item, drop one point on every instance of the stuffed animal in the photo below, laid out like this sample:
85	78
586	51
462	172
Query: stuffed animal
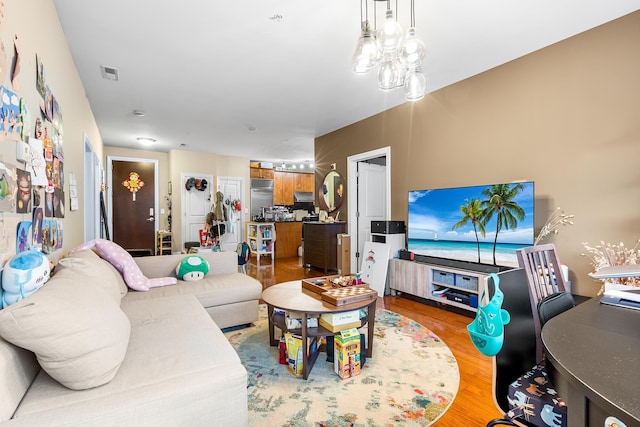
192	268
24	274
124	263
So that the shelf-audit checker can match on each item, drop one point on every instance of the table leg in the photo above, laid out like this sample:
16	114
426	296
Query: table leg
371	318
272	340
306	369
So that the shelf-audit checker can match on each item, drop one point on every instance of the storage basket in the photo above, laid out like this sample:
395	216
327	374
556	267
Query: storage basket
444	277
467	282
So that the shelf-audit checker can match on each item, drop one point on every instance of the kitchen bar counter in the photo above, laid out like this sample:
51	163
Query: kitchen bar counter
321	244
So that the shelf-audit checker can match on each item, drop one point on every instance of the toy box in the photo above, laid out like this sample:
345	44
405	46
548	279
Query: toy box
346	353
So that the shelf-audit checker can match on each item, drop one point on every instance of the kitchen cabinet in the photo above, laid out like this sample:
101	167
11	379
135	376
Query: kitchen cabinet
320	240
261	173
283	183
286	183
305	182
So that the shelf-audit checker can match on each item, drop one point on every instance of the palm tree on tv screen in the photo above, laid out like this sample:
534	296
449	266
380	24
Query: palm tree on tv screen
500	202
472	212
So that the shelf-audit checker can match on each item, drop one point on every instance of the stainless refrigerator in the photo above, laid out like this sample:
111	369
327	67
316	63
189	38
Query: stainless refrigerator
261	195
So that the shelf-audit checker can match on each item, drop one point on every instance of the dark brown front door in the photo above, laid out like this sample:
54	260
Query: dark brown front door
133	195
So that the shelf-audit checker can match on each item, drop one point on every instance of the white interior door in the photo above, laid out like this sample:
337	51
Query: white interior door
231	188
196	204
372	202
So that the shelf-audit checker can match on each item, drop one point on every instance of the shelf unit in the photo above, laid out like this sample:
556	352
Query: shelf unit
445	285
164	243
261	237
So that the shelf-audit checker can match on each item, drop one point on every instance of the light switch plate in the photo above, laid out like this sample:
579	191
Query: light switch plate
22	151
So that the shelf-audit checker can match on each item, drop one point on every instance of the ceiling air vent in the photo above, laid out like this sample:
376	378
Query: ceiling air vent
109	73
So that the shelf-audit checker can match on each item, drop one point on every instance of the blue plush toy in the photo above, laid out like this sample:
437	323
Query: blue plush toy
192	268
24	274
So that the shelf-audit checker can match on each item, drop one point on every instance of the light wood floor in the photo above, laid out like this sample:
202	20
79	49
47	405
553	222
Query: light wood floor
473	406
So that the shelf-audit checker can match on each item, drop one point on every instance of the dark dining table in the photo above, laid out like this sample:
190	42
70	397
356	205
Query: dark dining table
593	361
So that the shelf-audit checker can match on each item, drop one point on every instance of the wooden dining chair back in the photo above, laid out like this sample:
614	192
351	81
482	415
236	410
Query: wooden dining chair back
544	277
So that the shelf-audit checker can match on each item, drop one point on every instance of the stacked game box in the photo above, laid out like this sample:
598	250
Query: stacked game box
336	322
346	353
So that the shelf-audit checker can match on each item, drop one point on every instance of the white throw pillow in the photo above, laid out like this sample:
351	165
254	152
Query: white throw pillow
78	332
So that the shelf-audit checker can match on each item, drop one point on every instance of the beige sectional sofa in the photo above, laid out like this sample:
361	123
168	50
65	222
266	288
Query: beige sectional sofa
102	355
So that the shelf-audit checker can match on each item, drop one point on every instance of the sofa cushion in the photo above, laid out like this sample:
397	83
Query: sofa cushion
96	271
17	370
225	262
211	291
78	332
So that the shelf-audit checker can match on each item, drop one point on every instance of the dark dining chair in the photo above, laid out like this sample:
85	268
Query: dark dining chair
544	277
521	388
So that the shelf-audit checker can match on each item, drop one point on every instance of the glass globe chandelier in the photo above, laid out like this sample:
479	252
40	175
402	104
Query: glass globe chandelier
397	55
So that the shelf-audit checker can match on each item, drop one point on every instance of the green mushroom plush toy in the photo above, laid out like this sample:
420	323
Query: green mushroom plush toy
192	268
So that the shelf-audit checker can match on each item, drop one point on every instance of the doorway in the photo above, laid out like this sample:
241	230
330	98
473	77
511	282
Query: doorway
369	177
92	180
231	188
133	203
196	204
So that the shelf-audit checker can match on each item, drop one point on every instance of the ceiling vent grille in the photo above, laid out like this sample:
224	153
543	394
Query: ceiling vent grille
109	73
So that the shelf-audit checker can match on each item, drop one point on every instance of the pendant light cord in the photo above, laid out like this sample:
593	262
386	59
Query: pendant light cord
413	14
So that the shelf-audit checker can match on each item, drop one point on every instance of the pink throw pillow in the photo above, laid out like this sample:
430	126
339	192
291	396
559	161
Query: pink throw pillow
125	264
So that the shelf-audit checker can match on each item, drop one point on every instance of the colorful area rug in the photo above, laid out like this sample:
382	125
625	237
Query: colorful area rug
411	380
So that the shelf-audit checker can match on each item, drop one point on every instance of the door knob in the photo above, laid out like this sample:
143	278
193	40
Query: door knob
150	219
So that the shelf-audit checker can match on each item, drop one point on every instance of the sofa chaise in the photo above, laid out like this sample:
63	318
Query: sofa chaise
86	350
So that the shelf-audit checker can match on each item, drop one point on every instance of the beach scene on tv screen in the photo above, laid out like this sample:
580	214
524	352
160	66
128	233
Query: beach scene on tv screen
483	224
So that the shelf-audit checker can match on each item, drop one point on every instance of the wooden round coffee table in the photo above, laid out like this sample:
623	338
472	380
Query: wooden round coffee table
290	296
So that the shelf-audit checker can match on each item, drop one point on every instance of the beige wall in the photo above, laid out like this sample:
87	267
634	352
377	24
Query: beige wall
39	32
176	162
567	117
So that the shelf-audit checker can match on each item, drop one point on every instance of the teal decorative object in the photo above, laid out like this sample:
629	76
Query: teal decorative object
487	329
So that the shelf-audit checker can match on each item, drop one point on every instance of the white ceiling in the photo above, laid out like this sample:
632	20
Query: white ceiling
205	72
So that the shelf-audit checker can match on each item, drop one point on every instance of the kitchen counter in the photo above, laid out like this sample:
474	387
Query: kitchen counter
288	238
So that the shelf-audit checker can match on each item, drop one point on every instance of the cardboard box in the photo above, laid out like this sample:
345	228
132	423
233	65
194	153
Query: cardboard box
341	318
346	353
344	254
294	352
340	327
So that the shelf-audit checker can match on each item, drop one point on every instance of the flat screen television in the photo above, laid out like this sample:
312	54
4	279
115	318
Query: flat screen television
482	225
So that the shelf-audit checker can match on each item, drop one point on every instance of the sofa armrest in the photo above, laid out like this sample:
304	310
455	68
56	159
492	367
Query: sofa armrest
225	262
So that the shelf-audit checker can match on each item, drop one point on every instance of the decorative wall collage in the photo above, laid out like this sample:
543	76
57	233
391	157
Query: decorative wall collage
33	185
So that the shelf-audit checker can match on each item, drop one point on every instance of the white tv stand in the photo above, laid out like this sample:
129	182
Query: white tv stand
447	285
